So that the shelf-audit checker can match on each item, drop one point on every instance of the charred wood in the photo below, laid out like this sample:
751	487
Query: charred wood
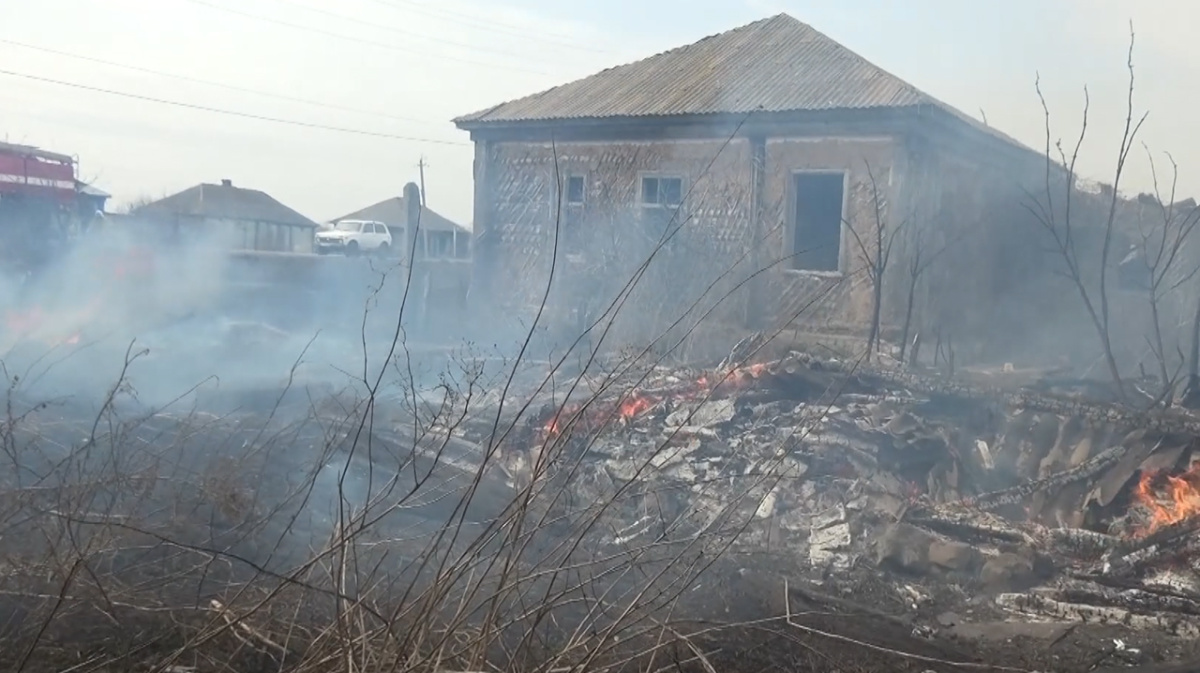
1122	583
1017	494
969	525
1131	557
1165	420
1040	605
1163	536
1136	600
1081	544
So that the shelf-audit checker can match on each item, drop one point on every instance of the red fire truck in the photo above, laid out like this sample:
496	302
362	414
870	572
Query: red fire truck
38	197
33	173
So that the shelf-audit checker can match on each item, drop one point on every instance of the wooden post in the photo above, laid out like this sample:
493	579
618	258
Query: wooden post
412	234
412	221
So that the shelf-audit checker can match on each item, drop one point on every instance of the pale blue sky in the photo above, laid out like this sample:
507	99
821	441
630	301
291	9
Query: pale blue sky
405	67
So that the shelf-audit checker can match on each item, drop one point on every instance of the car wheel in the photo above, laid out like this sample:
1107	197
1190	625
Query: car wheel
382	250
352	248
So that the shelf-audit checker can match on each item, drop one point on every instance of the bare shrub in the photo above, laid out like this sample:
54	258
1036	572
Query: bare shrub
413	530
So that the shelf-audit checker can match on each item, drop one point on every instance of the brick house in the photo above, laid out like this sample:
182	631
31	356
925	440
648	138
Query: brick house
778	147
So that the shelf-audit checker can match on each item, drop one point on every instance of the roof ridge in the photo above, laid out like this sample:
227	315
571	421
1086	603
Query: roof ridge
234	202
399	202
740	54
778	64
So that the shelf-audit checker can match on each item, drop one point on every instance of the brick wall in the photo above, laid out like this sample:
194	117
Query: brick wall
813	301
602	243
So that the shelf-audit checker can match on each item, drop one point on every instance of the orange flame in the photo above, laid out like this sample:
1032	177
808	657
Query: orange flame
636	404
26	324
553	427
1180	500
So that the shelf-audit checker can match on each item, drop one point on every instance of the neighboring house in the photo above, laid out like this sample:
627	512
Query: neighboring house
437	282
91	199
240	218
775	144
437	237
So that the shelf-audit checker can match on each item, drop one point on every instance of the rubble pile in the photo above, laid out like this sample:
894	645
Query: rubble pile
1052	507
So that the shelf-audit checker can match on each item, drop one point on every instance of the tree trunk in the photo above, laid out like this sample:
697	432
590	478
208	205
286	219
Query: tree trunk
1160	351
1191	394
908	312
1194	360
876	312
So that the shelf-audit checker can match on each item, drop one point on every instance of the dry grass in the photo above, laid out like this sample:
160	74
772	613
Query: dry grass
362	533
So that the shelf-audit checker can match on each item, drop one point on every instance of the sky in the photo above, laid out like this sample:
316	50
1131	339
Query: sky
330	107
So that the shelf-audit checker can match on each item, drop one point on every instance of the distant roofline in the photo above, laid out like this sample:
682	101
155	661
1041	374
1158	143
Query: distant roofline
354	216
163	206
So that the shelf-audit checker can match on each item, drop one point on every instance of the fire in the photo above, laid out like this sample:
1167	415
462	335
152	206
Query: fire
34	322
1181	499
553	427
24	322
636	403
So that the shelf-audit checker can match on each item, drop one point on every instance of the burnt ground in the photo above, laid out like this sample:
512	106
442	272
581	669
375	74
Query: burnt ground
864	618
857	621
854	625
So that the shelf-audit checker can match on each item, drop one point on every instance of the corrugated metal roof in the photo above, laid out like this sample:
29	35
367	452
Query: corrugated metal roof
779	64
776	65
226	201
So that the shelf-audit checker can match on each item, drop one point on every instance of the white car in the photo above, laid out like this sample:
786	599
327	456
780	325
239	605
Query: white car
352	237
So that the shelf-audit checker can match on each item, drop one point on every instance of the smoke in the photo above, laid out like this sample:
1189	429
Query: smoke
189	318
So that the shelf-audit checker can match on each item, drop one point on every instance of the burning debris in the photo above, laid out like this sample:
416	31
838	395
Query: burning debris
957	507
1053	507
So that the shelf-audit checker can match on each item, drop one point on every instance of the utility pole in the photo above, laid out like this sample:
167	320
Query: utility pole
421	167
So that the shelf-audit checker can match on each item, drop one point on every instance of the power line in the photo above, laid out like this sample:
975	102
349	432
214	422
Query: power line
231	113
400	31
502	29
231	87
356	40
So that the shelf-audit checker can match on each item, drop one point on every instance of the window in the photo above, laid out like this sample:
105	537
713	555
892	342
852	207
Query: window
576	190
817	230
441	243
662	191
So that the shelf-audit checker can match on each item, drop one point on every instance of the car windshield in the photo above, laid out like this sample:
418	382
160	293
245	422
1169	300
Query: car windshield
348	226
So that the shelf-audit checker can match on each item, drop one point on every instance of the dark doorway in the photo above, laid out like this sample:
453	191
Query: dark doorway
817	230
